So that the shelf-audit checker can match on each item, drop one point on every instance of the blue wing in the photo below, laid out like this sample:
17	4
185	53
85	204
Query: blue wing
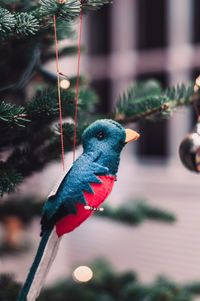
70	191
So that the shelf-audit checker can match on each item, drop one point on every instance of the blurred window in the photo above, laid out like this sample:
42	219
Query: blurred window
151	24
99	31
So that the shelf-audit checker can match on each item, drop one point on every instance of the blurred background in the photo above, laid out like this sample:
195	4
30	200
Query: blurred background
127	41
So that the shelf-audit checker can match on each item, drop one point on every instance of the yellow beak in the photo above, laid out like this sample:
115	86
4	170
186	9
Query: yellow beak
131	135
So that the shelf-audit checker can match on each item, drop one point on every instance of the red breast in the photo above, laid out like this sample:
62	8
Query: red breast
101	192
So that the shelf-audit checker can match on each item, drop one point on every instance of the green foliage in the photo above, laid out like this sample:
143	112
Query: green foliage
12	115
32	140
44	106
147	100
7	21
37	17
142	100
66	9
136	212
26	24
106	285
9	177
180	95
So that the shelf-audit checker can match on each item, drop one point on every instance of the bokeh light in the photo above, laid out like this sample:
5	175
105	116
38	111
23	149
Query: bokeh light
65	84
82	274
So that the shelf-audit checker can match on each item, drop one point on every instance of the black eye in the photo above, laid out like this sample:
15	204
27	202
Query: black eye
100	136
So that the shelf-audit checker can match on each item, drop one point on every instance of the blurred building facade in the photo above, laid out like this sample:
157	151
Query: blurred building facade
138	39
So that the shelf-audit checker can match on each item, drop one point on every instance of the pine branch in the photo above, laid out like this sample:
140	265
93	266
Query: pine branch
38	18
12	115
7	21
9	178
146	100
45	103
41	144
180	95
137	212
26	24
64	9
33	157
32	124
106	285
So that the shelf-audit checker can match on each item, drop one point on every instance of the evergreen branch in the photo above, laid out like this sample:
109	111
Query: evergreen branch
37	21
154	213
45	103
41	112
146	100
64	29
145	114
33	158
193	288
180	95
64	9
26	24
36	18
12	115
68	139
138	213
140	90
7	21
9	178
107	285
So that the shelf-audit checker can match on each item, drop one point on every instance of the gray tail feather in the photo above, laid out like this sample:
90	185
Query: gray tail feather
25	290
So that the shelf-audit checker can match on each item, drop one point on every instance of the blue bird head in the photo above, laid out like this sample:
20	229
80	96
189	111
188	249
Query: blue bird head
108	138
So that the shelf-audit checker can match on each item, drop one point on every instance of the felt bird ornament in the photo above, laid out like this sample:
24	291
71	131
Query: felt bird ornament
82	191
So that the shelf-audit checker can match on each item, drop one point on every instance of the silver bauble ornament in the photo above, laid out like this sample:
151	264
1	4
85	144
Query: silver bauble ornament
189	150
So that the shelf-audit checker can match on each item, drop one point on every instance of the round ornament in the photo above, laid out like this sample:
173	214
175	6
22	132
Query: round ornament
189	150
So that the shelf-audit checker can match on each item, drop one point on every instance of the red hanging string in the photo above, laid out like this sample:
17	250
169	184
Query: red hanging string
59	96
77	85
77	89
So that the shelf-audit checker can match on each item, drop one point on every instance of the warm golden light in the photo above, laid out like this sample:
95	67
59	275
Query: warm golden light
65	84
82	274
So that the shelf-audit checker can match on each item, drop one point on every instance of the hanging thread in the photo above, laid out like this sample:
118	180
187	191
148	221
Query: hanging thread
77	89
77	85
59	94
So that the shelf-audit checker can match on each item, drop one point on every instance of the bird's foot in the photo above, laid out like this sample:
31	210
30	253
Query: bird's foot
93	208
